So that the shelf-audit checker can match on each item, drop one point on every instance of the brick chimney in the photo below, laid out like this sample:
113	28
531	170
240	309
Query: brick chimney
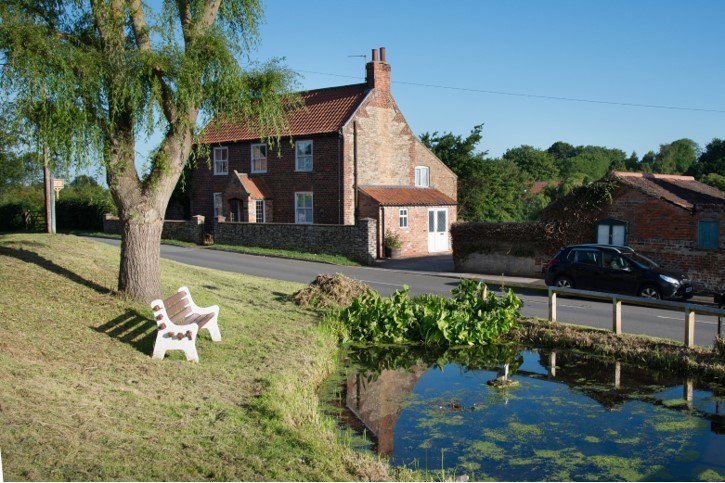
378	72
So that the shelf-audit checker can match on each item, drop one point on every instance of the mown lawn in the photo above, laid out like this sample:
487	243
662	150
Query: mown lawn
81	399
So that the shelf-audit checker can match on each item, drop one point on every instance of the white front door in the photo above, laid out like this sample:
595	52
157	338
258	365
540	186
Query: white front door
438	230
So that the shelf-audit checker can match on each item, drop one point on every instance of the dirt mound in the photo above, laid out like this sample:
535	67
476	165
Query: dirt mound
330	291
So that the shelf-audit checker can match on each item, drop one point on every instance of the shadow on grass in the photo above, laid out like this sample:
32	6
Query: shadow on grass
132	328
42	262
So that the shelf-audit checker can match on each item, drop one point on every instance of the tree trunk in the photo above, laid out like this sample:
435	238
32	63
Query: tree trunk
139	275
141	209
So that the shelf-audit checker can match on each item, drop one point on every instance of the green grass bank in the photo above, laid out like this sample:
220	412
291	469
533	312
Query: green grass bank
81	398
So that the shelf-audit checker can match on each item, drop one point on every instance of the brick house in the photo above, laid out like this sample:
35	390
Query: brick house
675	220
352	155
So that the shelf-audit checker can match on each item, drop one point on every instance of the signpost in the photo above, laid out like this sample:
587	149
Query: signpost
57	185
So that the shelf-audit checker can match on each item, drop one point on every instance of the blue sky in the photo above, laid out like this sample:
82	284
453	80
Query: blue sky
646	52
510	65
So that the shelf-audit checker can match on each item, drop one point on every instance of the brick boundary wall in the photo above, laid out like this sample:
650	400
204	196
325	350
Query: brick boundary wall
357	242
512	249
189	231
706	268
523	249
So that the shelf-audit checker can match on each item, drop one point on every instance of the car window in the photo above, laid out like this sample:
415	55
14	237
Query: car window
642	261
587	257
615	261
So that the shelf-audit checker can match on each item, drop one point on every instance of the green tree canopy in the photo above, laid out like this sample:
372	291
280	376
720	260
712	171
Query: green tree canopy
538	164
91	78
712	160
676	157
457	152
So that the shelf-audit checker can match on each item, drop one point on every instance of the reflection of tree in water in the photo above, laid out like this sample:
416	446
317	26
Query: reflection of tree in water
375	359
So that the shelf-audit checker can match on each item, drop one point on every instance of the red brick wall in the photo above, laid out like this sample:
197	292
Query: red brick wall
414	238
281	179
668	234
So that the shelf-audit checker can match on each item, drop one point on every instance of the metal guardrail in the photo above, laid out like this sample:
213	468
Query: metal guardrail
617	300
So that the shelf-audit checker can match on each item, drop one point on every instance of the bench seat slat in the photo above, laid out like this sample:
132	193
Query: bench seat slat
179	316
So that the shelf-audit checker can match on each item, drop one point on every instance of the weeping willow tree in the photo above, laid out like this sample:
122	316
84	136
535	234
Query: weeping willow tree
92	77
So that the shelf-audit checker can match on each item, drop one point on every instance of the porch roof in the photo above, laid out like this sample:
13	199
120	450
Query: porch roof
406	196
254	187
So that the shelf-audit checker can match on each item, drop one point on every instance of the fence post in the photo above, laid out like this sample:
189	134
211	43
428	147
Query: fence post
552	306
689	326
616	315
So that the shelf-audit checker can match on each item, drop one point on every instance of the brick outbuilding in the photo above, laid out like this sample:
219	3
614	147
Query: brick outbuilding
675	220
347	144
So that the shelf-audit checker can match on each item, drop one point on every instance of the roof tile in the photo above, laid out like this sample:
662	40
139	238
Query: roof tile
683	191
407	196
325	111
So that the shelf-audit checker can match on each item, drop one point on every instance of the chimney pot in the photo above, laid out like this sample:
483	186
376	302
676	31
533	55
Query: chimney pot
375	55
382	54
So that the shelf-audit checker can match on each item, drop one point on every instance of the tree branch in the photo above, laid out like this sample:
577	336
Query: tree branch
208	17
185	18
141	34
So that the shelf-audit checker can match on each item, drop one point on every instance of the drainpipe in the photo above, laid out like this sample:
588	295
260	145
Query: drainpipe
339	179
354	162
381	233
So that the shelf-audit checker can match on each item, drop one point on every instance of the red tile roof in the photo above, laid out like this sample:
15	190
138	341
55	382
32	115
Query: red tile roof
682	191
407	196
325	111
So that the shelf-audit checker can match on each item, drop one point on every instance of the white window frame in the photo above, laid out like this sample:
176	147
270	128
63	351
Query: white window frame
221	163
258	211
419	178
303	162
403	218
261	159
218	202
303	220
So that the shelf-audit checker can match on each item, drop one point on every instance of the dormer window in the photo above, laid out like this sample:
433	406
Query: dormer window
422	179
259	158
221	160
303	156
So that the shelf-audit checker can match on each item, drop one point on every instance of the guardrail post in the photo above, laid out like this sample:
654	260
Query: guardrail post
689	326
552	306
616	315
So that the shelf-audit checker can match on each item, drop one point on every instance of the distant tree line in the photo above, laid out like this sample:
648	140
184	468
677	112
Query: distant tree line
525	179
81	203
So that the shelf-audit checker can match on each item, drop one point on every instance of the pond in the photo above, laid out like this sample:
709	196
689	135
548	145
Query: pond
501	413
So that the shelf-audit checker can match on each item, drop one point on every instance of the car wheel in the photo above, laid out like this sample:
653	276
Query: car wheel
564	282
650	292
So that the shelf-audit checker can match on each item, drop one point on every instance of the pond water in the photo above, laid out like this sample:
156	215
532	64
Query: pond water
549	415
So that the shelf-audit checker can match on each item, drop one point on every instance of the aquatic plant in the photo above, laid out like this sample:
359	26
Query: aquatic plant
472	316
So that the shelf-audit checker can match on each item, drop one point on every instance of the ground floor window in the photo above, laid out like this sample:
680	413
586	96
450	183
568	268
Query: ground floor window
217	204
259	211
612	232
403	218
303	207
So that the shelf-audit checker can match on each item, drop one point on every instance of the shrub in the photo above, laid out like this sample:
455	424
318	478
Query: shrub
465	319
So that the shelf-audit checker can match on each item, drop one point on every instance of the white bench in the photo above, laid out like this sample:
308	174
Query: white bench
178	320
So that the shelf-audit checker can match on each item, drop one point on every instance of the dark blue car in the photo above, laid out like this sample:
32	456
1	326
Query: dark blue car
615	269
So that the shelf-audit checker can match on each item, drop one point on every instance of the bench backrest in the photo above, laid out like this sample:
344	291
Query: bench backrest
177	307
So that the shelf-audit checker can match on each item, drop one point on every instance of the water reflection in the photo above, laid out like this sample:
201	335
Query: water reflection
571	417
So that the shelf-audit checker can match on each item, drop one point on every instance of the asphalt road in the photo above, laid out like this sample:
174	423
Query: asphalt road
635	320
